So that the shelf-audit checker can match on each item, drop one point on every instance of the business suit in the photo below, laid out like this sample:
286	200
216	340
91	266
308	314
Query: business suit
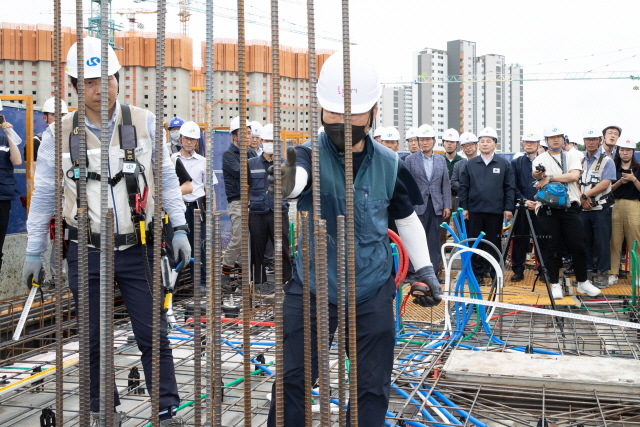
436	192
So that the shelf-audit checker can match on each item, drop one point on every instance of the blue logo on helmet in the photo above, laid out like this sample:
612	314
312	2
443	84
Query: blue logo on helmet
590	132
92	62
554	129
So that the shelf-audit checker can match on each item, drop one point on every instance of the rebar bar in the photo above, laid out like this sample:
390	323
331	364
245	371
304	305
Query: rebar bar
83	232
341	330
349	178
157	214
277	213
105	251
213	249
322	321
306	312
57	246
246	285
108	309
197	316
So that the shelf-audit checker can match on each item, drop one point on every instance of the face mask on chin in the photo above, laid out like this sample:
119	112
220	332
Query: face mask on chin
335	132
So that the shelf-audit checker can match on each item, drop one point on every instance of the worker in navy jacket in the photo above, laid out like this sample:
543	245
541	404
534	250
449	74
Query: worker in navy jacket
525	190
487	189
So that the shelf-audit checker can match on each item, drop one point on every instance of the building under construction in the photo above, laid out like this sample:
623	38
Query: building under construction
490	354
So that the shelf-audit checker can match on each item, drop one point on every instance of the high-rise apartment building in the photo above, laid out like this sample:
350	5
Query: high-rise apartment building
430	100
462	96
396	109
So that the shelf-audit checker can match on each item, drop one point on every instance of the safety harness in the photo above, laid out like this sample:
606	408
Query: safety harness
131	171
603	199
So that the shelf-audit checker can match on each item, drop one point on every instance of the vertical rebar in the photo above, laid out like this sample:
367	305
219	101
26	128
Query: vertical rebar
214	268
322	320
246	288
277	213
108	309
157	214
214	324
306	313
104	205
317	212
341	330
197	315
57	247
83	233
351	257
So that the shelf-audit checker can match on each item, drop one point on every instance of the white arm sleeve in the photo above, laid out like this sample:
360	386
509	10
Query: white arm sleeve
302	179
414	240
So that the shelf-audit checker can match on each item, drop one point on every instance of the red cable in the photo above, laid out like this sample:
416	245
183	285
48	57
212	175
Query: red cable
403	258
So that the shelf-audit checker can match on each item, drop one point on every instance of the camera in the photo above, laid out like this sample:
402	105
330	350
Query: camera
1	119
541	168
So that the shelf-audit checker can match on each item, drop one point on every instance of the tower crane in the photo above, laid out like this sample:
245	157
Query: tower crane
131	16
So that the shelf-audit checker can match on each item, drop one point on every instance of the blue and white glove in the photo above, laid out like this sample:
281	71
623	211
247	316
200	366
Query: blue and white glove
429	295
32	269
181	247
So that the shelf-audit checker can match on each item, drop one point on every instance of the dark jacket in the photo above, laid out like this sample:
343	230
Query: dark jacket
522	169
7	180
487	188
260	201
231	171
455	176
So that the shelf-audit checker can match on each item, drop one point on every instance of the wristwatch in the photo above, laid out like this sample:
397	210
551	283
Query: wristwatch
184	227
584	196
550	178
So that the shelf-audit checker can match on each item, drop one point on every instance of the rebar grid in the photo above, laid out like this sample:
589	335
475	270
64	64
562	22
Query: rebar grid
215	329
247	285
322	321
497	404
57	246
306	312
341	328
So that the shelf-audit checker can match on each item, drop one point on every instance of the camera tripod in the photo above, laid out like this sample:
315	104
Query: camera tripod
521	206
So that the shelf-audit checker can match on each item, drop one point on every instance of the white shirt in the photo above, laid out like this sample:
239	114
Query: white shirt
573	159
487	160
196	166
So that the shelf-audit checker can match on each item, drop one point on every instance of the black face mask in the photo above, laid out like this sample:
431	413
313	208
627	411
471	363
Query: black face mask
335	132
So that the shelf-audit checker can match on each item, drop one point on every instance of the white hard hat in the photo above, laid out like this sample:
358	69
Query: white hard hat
267	132
256	128
451	135
488	131
468	137
235	124
190	130
553	130
365	85
531	136
591	132
379	131
426	131
390	134
626	143
411	133
543	143
92	55
50	106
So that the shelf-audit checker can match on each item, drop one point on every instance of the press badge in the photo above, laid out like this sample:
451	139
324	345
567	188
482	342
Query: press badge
496	170
129	167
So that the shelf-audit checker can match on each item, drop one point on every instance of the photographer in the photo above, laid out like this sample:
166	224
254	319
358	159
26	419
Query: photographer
562	223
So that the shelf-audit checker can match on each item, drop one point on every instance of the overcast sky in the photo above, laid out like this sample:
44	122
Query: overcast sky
544	36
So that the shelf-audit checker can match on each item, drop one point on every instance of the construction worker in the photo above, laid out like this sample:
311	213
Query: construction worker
48	116
134	282
626	211
610	136
412	140
196	167
596	199
261	228
377	134
487	185
569	145
450	143
174	134
231	164
562	224
9	158
391	138
255	141
524	191
469	146
432	177
382	187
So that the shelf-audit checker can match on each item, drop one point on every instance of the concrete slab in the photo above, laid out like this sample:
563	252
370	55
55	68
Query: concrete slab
535	370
